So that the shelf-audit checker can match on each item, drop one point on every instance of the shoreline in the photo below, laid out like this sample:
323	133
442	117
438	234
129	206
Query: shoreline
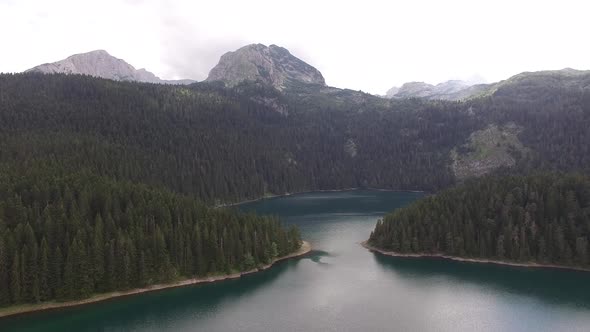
48	306
531	265
223	205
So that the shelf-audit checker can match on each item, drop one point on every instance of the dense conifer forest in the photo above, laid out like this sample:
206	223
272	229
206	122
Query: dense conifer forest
542	218
68	237
225	145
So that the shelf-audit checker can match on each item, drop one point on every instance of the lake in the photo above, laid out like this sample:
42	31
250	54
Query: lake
340	286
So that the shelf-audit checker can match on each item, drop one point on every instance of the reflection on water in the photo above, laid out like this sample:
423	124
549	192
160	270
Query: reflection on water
553	286
126	313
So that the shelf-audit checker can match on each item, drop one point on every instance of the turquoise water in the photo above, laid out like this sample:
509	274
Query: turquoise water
341	286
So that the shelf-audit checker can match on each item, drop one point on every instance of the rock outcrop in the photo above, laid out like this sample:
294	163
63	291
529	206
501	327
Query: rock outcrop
271	65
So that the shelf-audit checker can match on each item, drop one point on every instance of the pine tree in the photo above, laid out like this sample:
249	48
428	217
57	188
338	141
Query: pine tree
4	275
500	250
44	272
69	289
55	277
15	279
582	250
98	263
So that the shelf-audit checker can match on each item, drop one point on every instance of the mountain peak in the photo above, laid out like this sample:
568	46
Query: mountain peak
272	64
102	52
99	63
449	90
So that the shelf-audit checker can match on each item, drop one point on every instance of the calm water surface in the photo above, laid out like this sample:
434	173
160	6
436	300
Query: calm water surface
341	286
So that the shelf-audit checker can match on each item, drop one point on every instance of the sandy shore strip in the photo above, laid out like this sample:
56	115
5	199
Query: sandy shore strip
473	260
29	308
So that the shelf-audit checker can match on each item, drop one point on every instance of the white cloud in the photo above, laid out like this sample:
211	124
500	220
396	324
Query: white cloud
368	45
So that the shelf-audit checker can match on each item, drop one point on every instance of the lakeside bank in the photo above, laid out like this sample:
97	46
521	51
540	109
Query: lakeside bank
472	260
46	306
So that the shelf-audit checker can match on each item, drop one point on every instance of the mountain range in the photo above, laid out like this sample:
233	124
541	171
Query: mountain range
497	126
272	65
275	66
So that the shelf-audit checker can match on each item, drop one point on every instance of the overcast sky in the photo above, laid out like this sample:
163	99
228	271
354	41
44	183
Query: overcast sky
363	45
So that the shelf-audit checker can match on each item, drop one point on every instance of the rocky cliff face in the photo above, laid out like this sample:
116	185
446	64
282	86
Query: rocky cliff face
101	64
272	65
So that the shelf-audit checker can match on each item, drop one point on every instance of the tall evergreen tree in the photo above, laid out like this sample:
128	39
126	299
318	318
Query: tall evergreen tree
15	280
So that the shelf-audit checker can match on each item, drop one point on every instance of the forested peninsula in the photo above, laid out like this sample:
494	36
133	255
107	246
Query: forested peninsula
540	220
69	237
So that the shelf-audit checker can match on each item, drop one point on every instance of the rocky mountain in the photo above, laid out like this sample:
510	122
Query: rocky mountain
524	86
391	92
272	65
449	90
99	63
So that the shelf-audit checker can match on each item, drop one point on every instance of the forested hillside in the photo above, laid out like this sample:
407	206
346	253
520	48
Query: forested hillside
543	218
68	237
553	108
225	144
